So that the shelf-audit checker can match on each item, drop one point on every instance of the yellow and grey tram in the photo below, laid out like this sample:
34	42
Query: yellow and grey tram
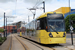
48	28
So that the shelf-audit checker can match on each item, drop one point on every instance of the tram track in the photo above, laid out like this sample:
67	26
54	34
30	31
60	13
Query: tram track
33	43
52	48
23	39
24	46
13	40
37	45
10	43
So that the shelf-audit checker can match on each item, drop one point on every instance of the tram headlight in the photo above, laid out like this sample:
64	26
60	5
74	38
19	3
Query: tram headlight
64	35
50	35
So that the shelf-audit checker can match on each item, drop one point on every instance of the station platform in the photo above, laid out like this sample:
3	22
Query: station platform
6	44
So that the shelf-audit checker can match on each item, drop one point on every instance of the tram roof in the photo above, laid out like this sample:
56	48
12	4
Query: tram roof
45	14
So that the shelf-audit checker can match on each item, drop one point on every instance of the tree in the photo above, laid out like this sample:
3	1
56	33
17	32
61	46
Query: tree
67	24
1	30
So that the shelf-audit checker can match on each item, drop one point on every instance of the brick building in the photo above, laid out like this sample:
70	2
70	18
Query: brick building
21	29
11	28
20	26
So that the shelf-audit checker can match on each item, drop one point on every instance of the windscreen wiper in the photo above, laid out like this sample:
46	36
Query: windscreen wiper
53	29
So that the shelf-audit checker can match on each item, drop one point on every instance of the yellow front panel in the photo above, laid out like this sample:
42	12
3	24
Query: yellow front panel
55	40
60	34
46	39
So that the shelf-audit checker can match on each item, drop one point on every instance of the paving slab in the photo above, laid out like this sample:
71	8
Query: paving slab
6	44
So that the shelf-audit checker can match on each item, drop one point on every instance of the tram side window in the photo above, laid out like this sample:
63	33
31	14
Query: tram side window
43	23
38	25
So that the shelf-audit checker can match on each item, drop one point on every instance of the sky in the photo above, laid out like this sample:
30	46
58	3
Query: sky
19	9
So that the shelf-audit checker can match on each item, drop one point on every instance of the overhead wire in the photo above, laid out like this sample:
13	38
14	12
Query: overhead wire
38	3
16	7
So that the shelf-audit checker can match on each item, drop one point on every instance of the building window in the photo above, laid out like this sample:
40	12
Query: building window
13	27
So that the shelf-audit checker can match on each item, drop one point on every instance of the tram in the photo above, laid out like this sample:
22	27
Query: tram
48	28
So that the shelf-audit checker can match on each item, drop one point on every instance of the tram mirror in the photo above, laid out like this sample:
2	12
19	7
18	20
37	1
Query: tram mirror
47	27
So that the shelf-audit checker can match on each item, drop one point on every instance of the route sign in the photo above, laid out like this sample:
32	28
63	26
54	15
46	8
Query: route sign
71	28
71	31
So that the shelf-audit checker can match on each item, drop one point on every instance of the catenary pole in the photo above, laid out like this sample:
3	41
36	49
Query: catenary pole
6	27
34	16
28	18
4	24
44	5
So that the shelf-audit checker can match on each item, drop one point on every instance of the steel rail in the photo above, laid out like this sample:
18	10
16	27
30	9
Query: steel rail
36	43
33	43
10	43
21	43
